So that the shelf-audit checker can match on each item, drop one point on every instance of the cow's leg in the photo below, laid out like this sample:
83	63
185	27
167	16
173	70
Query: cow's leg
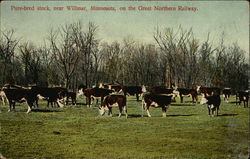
164	109
89	101
110	111
209	110
142	107
10	104
147	110
137	97
125	111
120	111
29	106
181	97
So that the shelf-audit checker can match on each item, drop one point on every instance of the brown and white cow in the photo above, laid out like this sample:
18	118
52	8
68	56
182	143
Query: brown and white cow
20	95
96	92
213	103
187	92
226	92
114	100
155	100
242	96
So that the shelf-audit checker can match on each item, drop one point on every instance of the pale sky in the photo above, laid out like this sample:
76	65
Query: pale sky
232	17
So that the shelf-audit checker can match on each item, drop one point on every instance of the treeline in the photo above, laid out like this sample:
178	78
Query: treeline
73	55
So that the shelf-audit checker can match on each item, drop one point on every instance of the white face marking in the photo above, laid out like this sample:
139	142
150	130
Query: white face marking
144	90
198	88
59	103
203	100
40	97
101	111
80	92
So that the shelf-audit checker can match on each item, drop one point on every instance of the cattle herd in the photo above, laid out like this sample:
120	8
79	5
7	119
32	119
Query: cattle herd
112	95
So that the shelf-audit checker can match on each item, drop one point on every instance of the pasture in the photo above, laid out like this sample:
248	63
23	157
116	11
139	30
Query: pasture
79	132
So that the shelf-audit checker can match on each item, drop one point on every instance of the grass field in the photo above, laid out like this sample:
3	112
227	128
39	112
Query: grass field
79	132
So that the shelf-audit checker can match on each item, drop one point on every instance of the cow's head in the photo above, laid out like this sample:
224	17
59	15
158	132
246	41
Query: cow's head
198	89
80	92
101	110
143	89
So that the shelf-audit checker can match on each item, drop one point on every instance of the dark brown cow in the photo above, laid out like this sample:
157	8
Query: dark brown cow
96	92
53	95
20	95
226	92
111	101
132	90
188	92
213	103
242	96
208	91
155	100
160	90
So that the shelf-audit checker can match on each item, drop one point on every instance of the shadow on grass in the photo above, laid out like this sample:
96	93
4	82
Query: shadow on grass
134	115
183	104
177	115
45	110
227	114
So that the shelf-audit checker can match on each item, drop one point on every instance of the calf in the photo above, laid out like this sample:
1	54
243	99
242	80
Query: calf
155	100
111	101
3	97
242	96
208	91
226	92
132	90
96	92
188	92
213	103
20	95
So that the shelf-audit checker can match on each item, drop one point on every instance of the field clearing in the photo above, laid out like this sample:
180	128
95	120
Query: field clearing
79	132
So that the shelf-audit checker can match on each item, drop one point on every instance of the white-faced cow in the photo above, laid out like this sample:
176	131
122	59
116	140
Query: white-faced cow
208	91
20	95
213	103
111	101
155	100
226	92
242	96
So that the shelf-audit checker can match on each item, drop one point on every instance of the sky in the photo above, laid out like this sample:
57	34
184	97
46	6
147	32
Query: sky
216	17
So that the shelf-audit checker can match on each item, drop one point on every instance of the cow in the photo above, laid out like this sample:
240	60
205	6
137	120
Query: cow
213	103
208	91
114	87
188	92
161	90
71	95
155	100
3	97
132	90
242	96
226	92
20	95
112	101
96	92
53	95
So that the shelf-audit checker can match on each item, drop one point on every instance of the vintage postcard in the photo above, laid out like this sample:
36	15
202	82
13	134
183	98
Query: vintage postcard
124	79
